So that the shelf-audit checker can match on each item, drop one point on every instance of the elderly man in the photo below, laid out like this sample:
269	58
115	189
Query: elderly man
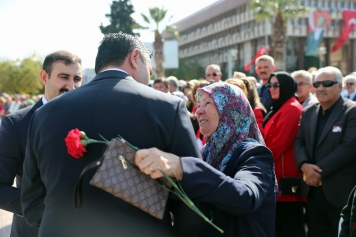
325	153
213	73
304	81
173	87
350	83
62	72
264	68
116	101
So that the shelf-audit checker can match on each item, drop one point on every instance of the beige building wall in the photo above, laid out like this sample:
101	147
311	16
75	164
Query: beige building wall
210	33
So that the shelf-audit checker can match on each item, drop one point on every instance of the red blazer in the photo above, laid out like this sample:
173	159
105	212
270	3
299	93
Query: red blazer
259	118
279	134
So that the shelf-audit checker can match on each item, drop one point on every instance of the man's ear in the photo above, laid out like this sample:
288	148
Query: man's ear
274	68
44	77
134	56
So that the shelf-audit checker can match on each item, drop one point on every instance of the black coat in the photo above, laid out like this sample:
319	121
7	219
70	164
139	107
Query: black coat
241	200
112	103
13	136
334	153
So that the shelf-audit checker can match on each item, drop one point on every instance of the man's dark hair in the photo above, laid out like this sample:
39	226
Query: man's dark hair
165	82
59	56
114	49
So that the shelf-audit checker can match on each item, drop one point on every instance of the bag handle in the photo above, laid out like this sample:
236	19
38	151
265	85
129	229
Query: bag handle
78	197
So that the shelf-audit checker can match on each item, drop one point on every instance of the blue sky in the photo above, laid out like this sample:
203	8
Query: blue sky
44	26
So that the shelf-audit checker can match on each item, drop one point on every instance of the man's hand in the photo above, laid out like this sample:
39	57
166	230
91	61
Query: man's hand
149	160
311	174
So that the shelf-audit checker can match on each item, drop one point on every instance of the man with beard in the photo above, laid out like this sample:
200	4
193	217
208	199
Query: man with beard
264	68
62	72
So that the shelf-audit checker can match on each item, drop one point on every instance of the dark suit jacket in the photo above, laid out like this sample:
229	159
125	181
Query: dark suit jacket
335	151
242	198
13	136
111	104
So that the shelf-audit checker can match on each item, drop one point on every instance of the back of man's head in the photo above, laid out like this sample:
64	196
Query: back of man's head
59	56
173	82
114	49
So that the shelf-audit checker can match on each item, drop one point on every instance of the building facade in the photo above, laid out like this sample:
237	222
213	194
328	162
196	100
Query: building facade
216	31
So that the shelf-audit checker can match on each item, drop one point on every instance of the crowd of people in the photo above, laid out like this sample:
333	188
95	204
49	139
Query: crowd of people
271	156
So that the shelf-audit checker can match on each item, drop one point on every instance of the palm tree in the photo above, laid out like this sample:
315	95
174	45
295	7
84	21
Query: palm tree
157	15
280	11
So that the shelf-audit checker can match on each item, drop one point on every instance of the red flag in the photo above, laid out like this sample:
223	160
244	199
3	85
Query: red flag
263	49
349	24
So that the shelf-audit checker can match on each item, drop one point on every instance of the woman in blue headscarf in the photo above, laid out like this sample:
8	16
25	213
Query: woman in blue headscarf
235	180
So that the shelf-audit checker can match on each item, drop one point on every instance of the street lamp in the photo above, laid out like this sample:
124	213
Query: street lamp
321	53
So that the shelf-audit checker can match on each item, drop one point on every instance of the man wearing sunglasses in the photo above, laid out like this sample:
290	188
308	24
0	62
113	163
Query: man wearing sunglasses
350	83
213	73
325	153
304	82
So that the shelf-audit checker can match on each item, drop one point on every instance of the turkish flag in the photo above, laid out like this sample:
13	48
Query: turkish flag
349	24
263	49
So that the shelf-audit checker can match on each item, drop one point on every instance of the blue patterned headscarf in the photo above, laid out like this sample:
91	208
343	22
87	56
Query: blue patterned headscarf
237	123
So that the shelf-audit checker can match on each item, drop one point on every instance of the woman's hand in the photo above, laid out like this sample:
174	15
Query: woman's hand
149	160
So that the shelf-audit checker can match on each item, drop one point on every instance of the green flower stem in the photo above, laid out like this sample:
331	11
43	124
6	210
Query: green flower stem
178	190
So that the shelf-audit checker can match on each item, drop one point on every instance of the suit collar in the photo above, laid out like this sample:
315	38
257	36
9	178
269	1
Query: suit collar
37	105
111	74
313	123
339	107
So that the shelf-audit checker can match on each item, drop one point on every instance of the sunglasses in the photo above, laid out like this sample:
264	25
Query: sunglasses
214	74
350	83
327	83
275	85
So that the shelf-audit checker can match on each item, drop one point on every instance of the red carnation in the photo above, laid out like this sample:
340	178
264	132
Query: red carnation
74	144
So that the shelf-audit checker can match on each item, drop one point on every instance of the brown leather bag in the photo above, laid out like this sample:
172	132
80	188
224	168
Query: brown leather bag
118	175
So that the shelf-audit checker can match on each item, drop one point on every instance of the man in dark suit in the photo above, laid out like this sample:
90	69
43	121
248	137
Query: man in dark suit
61	72
116	101
325	153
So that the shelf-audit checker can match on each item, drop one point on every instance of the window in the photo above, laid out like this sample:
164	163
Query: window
332	5
313	3
320	4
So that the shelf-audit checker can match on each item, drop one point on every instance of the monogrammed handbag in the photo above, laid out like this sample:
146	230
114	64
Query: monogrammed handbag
118	175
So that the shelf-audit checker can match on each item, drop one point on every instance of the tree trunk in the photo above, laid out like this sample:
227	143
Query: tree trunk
279	38
159	55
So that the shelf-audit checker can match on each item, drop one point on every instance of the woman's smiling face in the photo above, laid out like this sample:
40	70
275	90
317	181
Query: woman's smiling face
207	114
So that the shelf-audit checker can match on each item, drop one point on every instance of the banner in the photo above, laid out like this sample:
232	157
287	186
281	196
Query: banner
349	24
263	49
318	21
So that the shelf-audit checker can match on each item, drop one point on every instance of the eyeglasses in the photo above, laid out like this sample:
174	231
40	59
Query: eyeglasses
349	83
327	83
274	85
214	74
303	83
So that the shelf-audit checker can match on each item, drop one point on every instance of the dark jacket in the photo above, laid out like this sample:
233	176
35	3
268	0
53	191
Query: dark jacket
13	137
241	200
111	104
334	153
